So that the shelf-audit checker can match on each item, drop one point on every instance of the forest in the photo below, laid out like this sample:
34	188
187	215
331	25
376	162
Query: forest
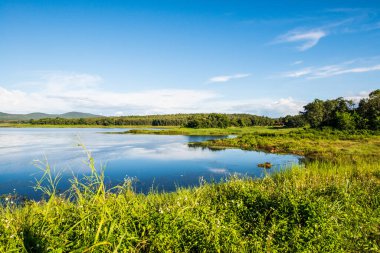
339	113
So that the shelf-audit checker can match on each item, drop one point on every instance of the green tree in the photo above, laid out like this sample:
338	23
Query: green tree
314	113
369	110
294	121
345	121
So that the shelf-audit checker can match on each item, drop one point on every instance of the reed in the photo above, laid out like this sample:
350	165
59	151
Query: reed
323	207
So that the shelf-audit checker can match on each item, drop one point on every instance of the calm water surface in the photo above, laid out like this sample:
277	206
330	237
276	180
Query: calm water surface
163	162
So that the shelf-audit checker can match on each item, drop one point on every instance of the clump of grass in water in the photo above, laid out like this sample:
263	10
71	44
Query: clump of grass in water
327	207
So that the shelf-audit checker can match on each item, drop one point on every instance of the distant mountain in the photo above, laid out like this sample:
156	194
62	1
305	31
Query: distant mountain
39	115
77	115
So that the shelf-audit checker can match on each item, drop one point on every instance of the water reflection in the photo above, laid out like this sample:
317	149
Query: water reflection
156	160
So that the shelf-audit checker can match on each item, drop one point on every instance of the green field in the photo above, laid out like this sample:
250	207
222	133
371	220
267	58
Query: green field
328	205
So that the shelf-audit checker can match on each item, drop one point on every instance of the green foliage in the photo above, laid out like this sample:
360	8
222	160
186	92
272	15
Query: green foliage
314	113
327	207
294	121
218	120
328	143
369	109
213	120
342	114
190	120
345	121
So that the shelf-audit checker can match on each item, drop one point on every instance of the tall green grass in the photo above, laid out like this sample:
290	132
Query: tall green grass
325	207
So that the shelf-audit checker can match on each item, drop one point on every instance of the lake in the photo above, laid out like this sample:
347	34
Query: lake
159	161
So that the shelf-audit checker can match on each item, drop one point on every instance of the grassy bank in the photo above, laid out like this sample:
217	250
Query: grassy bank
210	131
328	144
311	143
327	207
332	205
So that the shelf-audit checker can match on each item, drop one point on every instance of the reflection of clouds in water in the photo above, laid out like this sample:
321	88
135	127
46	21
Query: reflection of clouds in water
164	152
165	158
171	151
218	170
19	147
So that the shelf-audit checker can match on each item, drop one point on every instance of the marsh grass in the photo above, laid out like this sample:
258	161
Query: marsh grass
325	207
327	144
208	131
329	205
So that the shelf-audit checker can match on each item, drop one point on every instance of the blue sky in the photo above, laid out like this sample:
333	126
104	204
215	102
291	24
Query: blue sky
147	57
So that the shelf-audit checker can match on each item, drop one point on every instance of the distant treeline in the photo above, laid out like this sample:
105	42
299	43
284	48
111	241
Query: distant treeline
340	114
337	113
188	120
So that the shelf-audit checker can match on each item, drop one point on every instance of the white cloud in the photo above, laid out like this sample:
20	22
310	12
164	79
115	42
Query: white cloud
308	39
359	70
60	81
298	73
297	62
173	151
357	97
264	106
218	170
84	92
330	70
226	78
144	102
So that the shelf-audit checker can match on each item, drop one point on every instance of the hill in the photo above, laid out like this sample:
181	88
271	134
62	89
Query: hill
39	115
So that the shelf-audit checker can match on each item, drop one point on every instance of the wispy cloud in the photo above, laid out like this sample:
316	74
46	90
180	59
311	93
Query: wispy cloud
298	73
226	78
371	26
307	39
297	62
308	33
330	70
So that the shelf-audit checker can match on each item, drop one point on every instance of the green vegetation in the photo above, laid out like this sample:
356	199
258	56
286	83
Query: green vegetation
340	114
327	207
203	120
337	113
331	204
206	131
219	120
327	143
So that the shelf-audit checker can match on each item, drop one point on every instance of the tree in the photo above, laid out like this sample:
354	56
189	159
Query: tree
294	121
345	121
314	113
369	110
218	120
